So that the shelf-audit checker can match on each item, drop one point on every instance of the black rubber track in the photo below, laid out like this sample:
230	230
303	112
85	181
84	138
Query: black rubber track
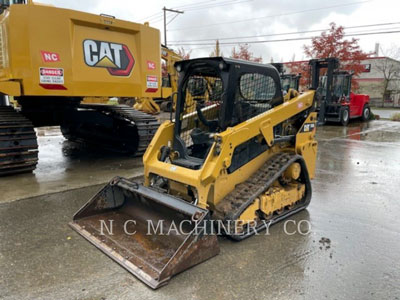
133	135
234	204
18	143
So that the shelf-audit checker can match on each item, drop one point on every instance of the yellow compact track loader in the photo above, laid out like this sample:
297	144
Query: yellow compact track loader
242	160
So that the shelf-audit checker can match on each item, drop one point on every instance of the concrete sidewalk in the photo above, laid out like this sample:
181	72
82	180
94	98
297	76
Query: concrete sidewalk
385	113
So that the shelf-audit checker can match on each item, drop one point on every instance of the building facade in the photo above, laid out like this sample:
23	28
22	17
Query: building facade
381	81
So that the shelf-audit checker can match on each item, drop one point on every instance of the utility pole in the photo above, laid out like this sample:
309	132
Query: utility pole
165	21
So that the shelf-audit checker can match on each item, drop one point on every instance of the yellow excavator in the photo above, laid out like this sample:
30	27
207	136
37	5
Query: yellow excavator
163	101
52	58
290	82
241	161
170	79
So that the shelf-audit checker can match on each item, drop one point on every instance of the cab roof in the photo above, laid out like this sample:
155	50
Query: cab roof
210	62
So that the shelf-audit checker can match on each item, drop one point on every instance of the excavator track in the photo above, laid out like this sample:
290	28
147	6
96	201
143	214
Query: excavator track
234	204
135	130
18	143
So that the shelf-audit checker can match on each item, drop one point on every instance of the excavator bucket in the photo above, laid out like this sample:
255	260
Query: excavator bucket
151	234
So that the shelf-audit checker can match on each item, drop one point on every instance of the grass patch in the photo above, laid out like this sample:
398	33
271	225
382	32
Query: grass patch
373	116
395	117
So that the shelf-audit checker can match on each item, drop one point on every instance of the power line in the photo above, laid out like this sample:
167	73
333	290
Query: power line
285	33
161	20
189	6
193	5
270	16
149	17
165	21
173	18
285	40
218	5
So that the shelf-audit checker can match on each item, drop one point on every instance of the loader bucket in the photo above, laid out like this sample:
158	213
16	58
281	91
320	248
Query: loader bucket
134	225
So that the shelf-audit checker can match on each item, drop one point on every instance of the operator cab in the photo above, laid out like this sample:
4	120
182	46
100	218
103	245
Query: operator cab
216	93
4	4
290	81
341	86
7	3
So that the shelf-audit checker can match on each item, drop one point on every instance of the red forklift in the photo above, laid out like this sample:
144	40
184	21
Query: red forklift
335	101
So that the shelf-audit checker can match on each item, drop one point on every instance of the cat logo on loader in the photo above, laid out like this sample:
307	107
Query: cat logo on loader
116	58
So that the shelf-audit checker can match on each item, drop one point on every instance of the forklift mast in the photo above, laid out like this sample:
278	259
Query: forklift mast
330	64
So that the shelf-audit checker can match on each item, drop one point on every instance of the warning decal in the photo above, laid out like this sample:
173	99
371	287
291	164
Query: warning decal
51	75
151	84
308	127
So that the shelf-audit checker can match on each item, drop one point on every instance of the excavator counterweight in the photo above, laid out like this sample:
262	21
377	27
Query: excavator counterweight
52	59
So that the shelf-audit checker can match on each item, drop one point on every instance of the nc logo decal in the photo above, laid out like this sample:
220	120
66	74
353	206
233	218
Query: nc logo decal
116	58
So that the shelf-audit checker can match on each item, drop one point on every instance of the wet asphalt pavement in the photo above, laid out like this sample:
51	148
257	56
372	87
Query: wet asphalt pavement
65	165
352	252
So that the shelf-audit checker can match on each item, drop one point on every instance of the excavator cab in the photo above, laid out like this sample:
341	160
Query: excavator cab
290	81
7	3
4	4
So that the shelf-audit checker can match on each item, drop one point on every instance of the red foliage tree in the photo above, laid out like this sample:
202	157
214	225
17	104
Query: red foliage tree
164	69
333	44
183	53
245	54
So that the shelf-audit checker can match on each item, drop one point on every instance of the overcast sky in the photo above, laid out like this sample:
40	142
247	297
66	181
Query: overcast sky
219	19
